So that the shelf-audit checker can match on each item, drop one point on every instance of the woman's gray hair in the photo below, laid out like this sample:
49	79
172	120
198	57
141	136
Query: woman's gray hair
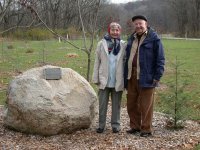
112	24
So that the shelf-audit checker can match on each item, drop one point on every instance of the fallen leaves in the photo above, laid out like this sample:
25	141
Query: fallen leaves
72	55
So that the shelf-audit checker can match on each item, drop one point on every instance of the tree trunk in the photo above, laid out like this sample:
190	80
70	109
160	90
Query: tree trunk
88	66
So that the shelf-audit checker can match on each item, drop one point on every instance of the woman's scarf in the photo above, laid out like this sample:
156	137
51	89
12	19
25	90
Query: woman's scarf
113	46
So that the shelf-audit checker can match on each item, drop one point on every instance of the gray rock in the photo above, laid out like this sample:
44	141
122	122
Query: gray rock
47	107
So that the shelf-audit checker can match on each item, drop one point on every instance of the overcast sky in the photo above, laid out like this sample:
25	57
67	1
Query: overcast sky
121	1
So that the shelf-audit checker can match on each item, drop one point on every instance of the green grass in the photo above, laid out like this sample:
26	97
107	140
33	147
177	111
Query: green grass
187	53
197	147
16	59
50	52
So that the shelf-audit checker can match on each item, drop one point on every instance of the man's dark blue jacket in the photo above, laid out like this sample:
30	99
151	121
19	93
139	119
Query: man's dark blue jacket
151	59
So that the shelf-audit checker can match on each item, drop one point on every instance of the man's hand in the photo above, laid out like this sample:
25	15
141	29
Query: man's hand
155	82
96	84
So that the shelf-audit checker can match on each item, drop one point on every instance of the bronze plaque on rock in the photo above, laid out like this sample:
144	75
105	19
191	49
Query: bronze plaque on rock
52	73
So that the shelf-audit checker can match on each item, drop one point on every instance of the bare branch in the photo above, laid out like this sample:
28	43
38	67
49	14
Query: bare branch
95	24
28	26
4	10
83	28
35	13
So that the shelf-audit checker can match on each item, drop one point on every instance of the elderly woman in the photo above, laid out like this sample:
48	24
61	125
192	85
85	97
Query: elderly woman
108	75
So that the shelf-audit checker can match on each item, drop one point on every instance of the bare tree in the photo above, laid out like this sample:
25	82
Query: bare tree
58	13
4	7
180	17
187	16
15	17
91	24
91	11
180	10
108	13
194	17
67	19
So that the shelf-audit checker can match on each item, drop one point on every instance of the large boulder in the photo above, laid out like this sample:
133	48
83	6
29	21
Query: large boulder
47	107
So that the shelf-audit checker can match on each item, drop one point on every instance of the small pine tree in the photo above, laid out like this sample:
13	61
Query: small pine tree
176	98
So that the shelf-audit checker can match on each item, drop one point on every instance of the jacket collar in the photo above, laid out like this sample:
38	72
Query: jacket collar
145	33
150	36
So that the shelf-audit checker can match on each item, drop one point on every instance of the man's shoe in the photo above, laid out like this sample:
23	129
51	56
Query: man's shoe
133	131
145	134
99	130
115	130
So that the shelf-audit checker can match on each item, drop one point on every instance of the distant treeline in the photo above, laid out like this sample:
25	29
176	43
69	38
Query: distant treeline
178	17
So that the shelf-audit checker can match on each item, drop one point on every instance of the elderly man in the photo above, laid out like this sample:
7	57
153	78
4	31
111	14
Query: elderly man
143	69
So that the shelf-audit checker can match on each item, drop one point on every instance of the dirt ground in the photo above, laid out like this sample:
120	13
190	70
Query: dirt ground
162	139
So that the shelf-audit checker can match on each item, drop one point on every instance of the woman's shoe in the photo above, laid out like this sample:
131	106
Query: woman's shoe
99	130
115	130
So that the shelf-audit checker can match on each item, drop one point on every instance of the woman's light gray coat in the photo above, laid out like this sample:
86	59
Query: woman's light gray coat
100	73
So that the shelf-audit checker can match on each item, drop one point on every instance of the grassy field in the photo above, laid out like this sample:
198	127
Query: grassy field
18	56
187	53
